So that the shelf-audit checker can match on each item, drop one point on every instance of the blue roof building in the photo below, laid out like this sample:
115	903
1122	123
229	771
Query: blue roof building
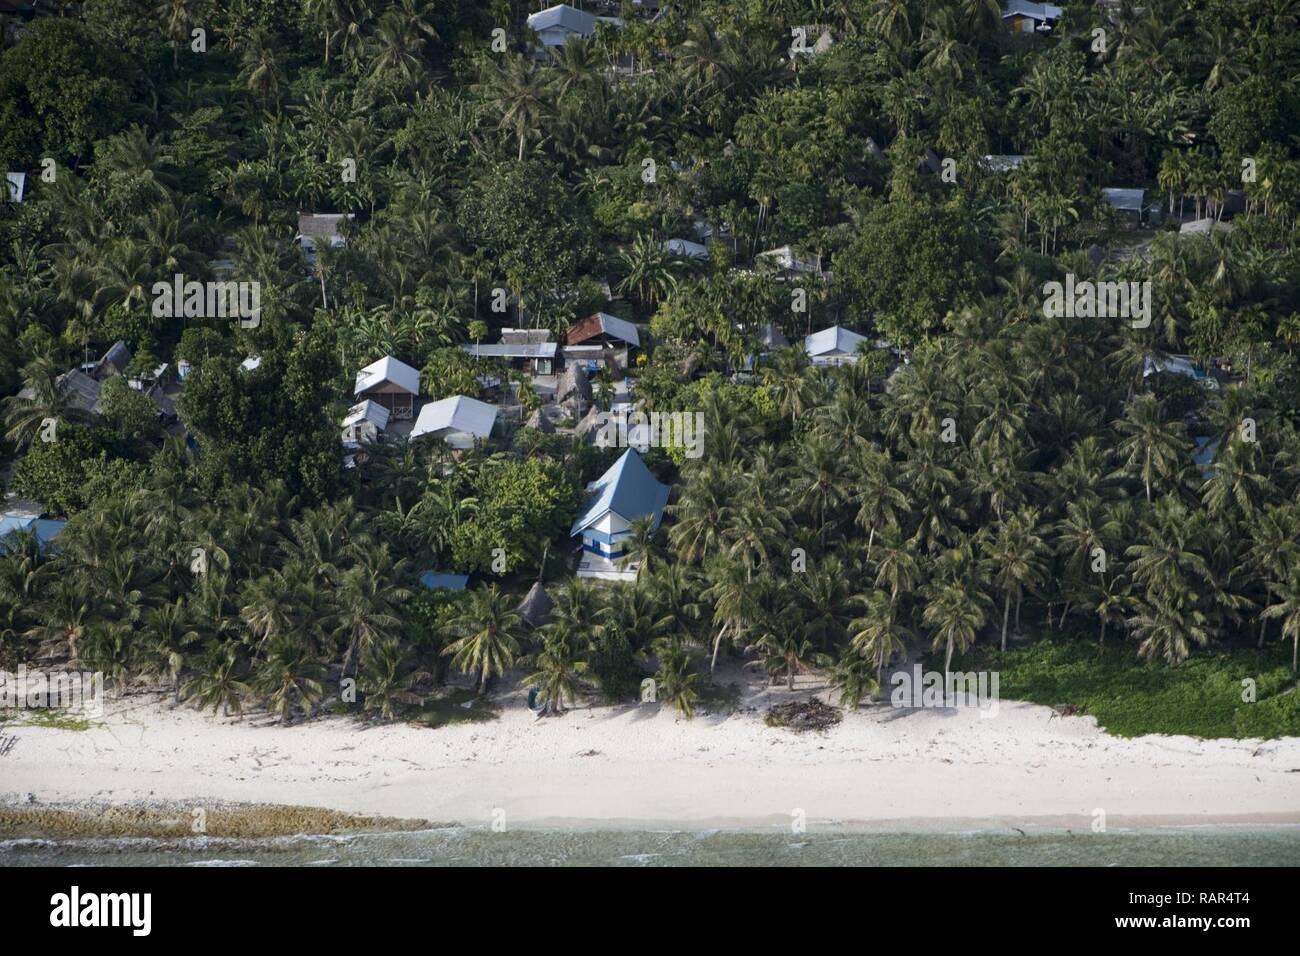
450	582
624	493
46	529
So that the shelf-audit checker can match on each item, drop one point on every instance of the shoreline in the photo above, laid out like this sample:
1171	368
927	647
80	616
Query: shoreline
641	767
170	821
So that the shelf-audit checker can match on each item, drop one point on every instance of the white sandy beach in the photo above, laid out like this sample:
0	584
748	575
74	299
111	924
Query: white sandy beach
644	766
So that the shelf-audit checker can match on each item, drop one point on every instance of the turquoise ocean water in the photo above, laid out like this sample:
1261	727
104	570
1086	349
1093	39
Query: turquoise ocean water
462	846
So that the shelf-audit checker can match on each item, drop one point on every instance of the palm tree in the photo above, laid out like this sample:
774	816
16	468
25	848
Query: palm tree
289	679
758	523
851	677
880	502
786	373
398	49
877	635
66	615
341	20
1014	560
166	634
1173	176
576	615
490	642
785	652
259	64
676	679
178	17
897	567
702	515
1274	553
216	683
956	611
269	607
557	671
819	480
1288	609
649	272
38	401
367	604
1169	622
734	601
387	680
640	546
516	91
1151	447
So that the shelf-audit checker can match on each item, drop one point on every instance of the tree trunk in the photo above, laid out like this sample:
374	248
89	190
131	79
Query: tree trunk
717	643
1006	613
947	662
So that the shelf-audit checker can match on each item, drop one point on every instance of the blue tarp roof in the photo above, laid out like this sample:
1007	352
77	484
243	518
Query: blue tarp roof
627	489
452	582
46	529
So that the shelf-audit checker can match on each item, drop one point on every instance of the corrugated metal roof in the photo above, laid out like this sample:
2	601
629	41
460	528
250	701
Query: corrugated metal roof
391	370
456	414
367	411
518	336
835	339
628	490
604	323
83	388
1130	200
1035	11
321	225
684	247
528	350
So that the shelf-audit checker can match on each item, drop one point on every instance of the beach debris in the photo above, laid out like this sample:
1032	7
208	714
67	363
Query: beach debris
589	753
801	716
1067	710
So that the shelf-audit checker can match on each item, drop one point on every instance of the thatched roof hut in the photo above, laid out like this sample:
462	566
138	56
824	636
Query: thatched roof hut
590	424
536	606
574	383
540	422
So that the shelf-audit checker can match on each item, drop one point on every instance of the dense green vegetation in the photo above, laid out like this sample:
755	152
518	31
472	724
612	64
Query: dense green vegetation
1204	697
1017	472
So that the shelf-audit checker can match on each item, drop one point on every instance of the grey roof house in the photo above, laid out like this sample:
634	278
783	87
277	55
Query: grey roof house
459	421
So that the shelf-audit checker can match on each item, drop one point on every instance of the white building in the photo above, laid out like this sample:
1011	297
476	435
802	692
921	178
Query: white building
833	346
556	25
391	383
16	186
624	493
459	421
365	422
